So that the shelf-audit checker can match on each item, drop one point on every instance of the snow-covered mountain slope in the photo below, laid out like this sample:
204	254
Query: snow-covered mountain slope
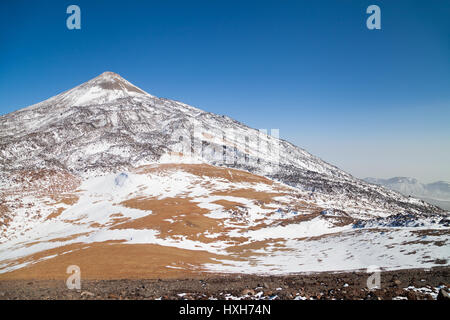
437	193
106	170
107	124
170	219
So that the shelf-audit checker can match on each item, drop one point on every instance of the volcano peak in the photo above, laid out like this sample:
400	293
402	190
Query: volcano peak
112	81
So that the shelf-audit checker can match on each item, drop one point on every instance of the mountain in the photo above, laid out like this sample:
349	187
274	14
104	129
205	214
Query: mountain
146	186
107	123
437	193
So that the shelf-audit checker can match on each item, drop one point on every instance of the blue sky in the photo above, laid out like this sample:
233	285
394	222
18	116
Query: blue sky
373	102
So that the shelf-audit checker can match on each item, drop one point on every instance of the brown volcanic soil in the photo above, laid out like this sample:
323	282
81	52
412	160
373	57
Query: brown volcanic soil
113	260
172	217
349	285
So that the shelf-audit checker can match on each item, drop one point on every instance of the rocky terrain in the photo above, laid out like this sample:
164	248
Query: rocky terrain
395	285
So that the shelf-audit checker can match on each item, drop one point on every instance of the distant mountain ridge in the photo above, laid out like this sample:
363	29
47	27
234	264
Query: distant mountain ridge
437	193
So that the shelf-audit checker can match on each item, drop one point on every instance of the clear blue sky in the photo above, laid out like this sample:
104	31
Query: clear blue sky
375	103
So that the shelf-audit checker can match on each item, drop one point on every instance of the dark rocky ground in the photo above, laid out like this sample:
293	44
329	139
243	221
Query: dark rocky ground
349	285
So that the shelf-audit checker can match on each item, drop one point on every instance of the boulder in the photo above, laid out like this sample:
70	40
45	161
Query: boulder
443	295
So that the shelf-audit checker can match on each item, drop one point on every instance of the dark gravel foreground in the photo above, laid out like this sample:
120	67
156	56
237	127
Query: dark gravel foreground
347	286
